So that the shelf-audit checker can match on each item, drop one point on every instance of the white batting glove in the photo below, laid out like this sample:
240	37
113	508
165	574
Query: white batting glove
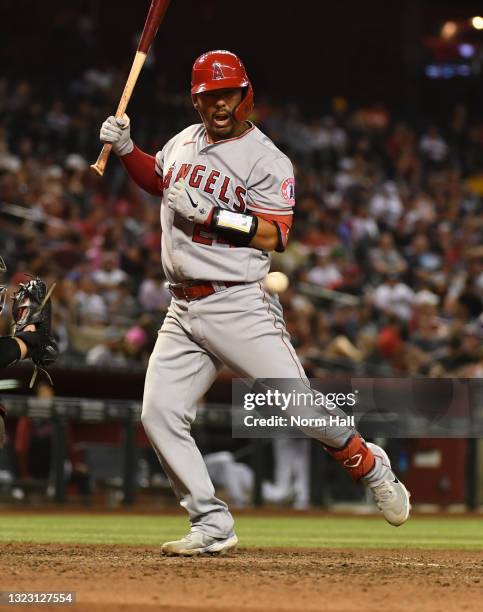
189	205
117	132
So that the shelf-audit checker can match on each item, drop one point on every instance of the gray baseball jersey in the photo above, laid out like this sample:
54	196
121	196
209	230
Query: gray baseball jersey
247	173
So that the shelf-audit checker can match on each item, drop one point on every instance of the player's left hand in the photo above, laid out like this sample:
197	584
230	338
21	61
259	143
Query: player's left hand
189	205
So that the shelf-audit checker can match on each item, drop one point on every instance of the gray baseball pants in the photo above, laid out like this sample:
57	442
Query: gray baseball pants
243	328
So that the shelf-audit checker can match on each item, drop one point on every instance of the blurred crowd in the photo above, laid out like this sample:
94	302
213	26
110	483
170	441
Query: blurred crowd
390	215
385	258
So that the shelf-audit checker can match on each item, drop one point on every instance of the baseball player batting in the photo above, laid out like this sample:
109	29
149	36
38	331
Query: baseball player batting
227	198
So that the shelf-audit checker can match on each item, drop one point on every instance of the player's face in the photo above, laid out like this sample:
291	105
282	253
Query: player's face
216	109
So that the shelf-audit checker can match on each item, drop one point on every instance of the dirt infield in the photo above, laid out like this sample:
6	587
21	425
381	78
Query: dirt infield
113	578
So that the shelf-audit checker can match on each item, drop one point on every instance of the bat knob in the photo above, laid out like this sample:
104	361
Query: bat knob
99	171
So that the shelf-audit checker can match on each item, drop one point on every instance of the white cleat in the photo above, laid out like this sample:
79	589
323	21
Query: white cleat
198	543
391	496
392	499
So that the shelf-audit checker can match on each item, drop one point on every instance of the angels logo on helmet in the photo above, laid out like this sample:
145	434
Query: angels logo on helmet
217	71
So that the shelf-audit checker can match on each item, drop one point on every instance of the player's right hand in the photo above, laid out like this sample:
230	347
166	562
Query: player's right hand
117	132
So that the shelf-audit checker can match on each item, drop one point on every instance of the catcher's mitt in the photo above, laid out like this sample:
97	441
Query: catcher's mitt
32	306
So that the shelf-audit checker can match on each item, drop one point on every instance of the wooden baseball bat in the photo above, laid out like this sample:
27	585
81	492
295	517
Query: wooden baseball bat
155	16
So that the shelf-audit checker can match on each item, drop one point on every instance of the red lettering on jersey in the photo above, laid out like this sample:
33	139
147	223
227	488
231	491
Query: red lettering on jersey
167	178
201	236
211	180
223	190
183	172
239	193
196	176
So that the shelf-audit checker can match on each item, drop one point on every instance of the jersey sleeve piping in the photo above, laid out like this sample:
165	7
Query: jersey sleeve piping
256	208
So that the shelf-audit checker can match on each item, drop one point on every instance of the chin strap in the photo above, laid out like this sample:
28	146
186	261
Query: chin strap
245	108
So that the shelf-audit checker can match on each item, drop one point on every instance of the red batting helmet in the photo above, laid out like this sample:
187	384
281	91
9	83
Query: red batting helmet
222	70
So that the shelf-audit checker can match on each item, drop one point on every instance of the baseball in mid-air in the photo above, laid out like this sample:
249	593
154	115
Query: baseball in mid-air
276	282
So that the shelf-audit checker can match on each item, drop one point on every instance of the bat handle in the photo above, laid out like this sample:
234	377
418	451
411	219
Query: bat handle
101	161
137	64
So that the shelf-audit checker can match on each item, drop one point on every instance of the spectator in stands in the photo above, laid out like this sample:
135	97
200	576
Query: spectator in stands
423	262
109	276
110	352
433	147
325	272
386	205
385	258
394	297
154	296
90	307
